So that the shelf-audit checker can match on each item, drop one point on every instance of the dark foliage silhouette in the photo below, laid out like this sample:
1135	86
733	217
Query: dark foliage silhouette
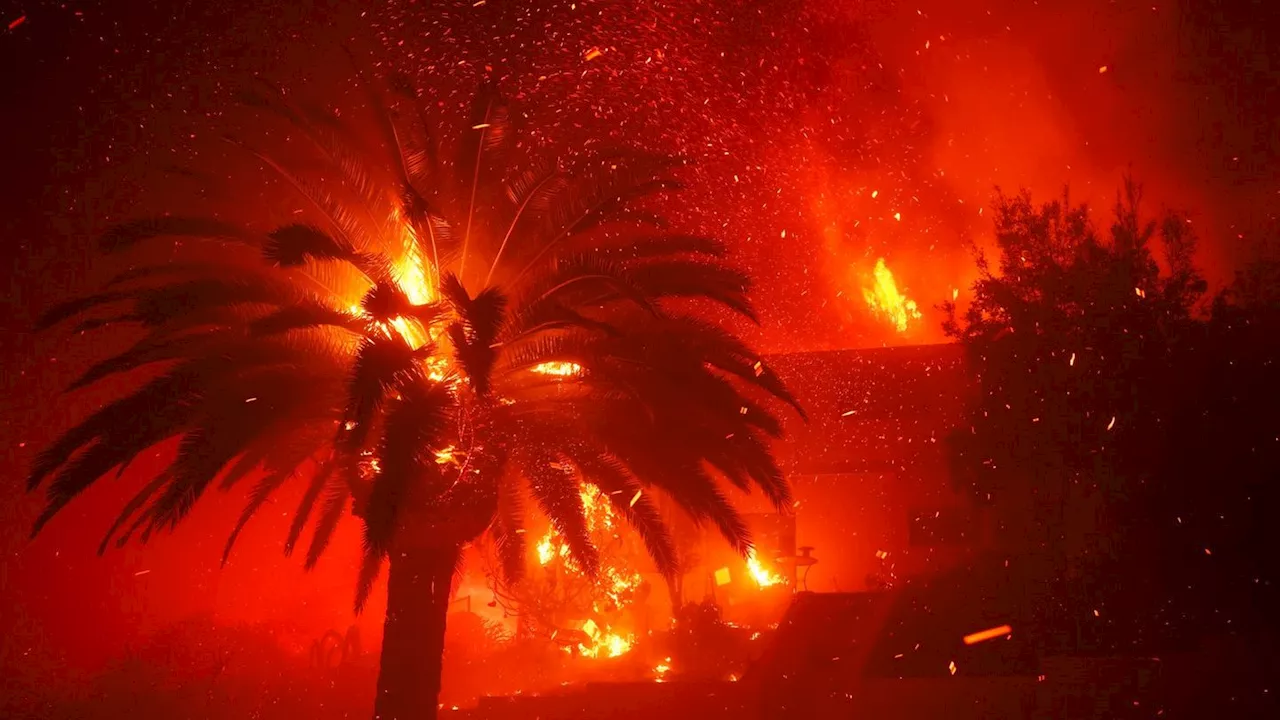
1121	428
443	341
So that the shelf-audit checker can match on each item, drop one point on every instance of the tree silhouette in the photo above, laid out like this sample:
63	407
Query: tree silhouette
441	343
1073	340
1114	432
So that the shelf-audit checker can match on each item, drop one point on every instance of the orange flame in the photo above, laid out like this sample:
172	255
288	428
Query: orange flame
615	584
886	301
558	369
604	642
764	578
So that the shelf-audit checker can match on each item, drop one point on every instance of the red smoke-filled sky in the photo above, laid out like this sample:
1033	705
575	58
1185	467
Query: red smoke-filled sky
826	134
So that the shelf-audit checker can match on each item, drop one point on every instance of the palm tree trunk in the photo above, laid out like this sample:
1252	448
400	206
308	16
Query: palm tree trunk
418	590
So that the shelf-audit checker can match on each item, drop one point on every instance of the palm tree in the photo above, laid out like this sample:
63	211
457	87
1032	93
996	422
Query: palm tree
450	340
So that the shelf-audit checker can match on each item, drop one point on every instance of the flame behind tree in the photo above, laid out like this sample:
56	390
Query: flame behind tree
562	596
886	301
440	341
760	574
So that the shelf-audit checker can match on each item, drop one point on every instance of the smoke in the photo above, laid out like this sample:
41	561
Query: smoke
830	134
825	135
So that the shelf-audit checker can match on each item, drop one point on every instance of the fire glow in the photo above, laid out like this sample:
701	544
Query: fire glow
604	642
887	301
614	583
558	369
763	577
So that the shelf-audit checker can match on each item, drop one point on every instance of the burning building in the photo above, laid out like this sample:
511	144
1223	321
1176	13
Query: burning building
874	506
874	498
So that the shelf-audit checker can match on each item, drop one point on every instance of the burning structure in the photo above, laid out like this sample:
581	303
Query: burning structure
874	506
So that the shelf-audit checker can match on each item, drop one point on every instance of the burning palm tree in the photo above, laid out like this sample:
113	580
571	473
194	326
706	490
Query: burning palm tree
449	341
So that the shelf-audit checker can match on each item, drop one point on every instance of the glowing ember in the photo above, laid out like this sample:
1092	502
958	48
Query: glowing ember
764	578
886	301
988	634
661	669
558	369
447	456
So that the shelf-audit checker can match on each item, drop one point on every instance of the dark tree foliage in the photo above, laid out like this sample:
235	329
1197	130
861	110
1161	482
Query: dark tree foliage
442	341
1124	432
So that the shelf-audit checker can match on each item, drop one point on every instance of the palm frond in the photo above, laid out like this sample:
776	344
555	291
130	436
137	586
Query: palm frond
250	460
262	492
133	506
532	191
478	153
76	476
79	306
586	278
595	198
476	331
550	317
382	364
156	411
650	246
293	245
386	301
325	133
305	316
335	505
370	567
629	500
414	425
556	492
422	153
508	531
319	481
682	278
338	214
128	235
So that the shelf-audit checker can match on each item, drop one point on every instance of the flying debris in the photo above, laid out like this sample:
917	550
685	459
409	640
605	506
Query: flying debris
988	634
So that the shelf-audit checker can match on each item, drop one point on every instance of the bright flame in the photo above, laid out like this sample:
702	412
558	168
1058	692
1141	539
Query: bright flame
600	516
615	584
763	577
604	642
558	369
448	456
886	301
411	270
662	668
